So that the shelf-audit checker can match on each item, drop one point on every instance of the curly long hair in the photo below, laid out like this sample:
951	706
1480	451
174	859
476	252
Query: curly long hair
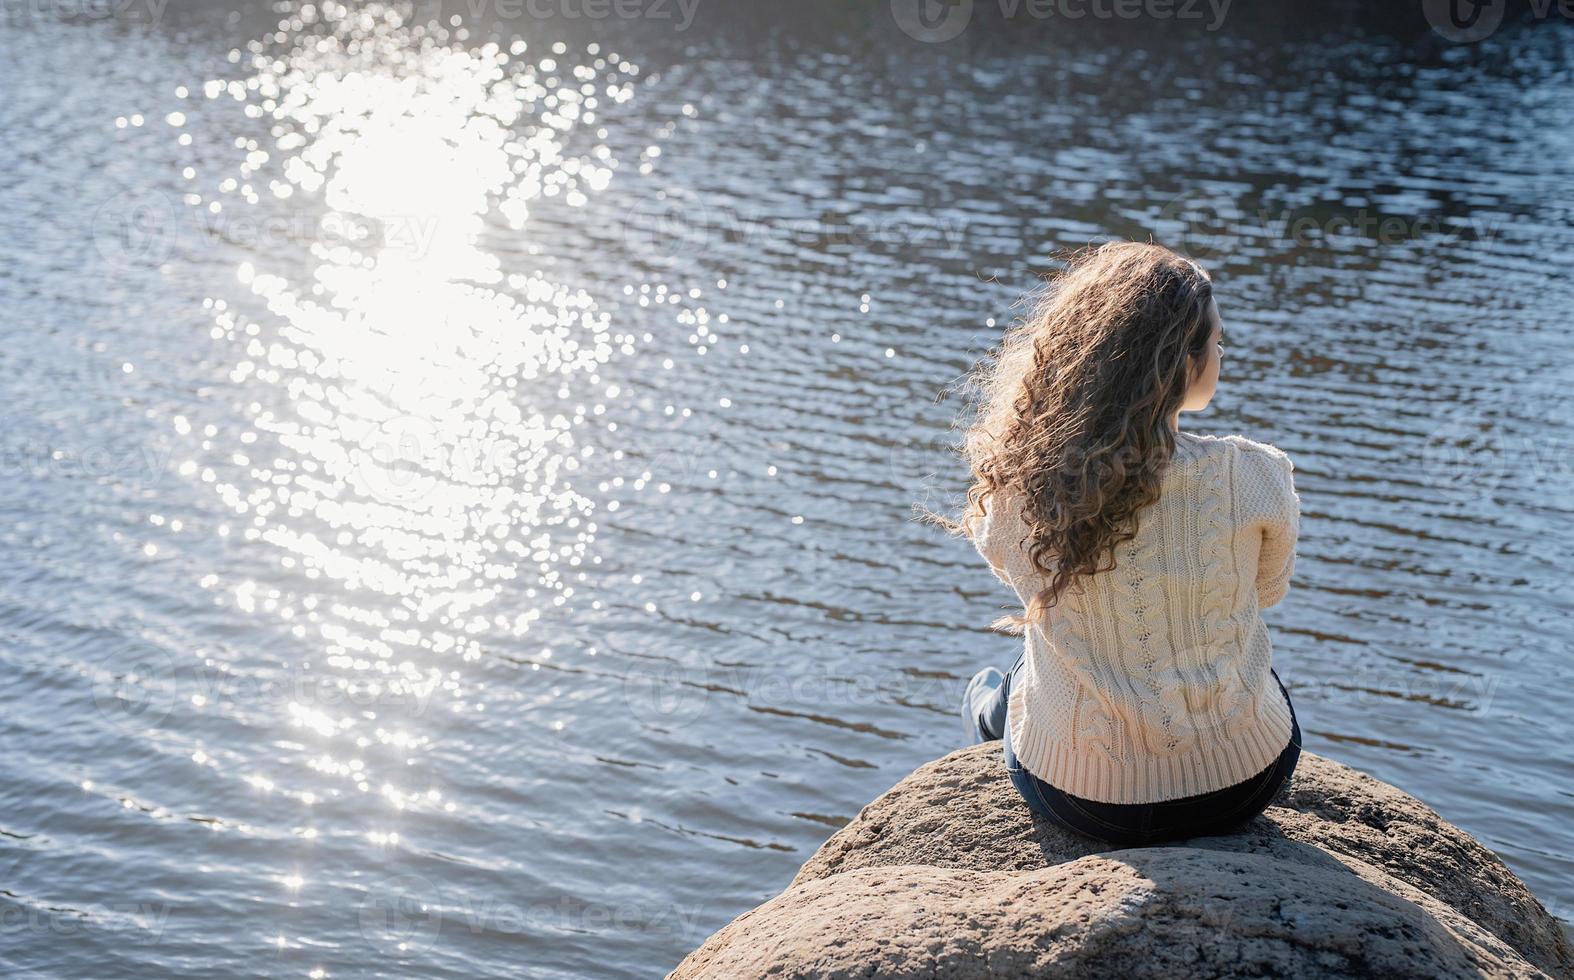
1072	410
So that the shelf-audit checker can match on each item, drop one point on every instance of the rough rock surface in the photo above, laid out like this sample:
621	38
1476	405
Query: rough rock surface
949	875
1153	912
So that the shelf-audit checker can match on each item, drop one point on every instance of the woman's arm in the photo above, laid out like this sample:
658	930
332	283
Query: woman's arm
978	529
1280	530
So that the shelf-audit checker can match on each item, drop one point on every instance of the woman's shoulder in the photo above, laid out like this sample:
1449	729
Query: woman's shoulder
1199	444
1258	474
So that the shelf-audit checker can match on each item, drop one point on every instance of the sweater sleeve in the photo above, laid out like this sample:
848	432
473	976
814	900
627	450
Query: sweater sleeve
1281	526
979	529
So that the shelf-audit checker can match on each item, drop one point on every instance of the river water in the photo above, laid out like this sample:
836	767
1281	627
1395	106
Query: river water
458	483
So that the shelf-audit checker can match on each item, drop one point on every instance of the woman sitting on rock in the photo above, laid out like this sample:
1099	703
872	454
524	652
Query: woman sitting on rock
1144	706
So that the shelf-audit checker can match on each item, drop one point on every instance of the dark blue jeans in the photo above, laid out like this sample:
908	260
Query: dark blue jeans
1139	824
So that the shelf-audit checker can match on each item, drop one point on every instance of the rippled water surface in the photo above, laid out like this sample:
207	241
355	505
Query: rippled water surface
458	483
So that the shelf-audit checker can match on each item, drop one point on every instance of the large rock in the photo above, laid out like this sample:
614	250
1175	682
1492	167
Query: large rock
1151	912
948	875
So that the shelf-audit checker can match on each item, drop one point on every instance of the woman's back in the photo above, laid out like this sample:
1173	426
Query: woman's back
1151	681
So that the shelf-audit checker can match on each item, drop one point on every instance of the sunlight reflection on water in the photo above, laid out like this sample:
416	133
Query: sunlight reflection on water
558	587
412	441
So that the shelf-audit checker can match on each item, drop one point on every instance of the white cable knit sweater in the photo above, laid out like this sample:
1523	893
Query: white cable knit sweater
1151	682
